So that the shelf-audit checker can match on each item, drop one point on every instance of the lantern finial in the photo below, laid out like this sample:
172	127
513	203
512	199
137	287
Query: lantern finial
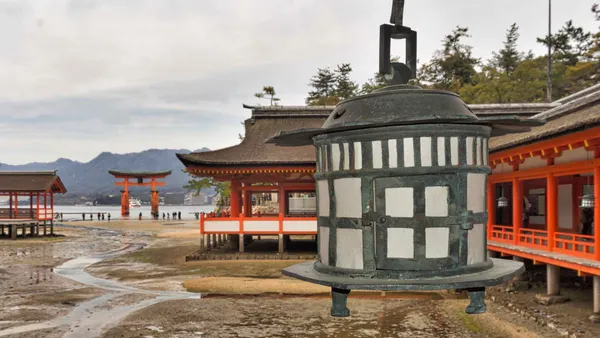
396	72
397	12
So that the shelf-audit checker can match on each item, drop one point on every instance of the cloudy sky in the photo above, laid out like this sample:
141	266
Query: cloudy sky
80	77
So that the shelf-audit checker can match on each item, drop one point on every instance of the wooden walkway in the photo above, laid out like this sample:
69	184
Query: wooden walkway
582	265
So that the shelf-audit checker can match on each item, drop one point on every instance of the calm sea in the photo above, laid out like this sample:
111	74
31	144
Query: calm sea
73	212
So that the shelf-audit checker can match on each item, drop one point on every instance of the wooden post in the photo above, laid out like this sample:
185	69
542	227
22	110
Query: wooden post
597	294
235	199
491	207
597	212
10	205
247	202
30	205
553	279
551	209
281	193
517	208
241	239
13	231
37	201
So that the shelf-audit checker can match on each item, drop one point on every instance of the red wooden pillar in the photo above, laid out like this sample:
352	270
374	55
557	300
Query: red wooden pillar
30	205
37	201
10	205
153	199
52	203
281	198
551	209
125	199
235	199
597	212
247	201
517	188
45	205
491	208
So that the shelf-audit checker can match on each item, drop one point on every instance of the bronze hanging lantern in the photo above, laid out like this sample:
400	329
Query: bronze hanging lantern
502	202
401	189
587	201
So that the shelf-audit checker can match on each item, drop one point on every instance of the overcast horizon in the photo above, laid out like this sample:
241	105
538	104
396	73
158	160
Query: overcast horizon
81	77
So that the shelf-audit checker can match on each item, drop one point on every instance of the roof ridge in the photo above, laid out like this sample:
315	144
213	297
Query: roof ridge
28	172
570	106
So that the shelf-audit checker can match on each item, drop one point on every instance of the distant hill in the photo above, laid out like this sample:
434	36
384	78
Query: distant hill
92	178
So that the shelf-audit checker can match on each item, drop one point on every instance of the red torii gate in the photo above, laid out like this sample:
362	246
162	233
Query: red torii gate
139	181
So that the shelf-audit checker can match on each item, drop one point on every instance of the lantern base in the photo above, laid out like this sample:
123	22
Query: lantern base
474	283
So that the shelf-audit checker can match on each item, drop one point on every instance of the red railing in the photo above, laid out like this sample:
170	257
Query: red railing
258	225
574	245
537	239
502	233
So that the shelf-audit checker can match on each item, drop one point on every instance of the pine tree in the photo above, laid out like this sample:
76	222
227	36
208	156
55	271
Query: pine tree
268	93
570	44
451	67
507	59
323	85
344	87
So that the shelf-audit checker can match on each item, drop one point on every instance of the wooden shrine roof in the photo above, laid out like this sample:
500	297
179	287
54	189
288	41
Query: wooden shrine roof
31	181
253	151
140	173
581	112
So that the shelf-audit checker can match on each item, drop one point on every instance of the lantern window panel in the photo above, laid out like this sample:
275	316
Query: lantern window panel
469	149
426	158
454	150
323	194
335	156
377	154
348	197
399	202
324	245
437	242
393	153
346	148
478	149
441	151
357	155
400	243
476	251
409	152
485	152
436	201
349	248
476	192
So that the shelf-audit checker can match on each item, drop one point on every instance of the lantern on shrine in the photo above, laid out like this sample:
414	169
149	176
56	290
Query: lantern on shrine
587	201
401	191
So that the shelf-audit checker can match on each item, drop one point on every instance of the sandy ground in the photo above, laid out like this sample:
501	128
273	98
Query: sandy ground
242	298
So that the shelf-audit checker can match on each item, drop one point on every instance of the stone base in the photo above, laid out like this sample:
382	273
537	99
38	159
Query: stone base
518	285
474	283
549	300
502	271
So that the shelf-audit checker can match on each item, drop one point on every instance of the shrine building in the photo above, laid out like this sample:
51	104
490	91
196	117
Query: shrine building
259	170
38	187
544	192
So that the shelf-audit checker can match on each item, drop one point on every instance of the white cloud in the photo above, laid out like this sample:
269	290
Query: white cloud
84	76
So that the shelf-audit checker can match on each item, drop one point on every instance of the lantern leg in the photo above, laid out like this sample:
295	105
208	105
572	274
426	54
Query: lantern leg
339	298
477	297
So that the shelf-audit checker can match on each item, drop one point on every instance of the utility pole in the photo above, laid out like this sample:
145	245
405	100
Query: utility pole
549	80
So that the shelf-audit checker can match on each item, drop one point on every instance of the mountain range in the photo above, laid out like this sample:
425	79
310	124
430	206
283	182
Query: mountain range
92	178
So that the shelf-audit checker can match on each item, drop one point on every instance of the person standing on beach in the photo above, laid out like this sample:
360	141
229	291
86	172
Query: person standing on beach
103	217
168	216
140	217
91	217
179	215
108	216
83	216
163	216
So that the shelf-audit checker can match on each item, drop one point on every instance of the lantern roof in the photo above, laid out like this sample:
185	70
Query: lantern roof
402	105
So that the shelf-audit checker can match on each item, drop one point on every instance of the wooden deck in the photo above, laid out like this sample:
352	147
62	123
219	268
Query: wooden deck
581	265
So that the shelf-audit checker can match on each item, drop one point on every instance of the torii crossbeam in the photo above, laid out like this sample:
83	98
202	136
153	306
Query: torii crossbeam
139	181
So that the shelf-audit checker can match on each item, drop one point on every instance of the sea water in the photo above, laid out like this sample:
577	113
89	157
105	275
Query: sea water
73	212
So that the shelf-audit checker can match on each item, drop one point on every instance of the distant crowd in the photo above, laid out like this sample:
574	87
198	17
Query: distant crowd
101	216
